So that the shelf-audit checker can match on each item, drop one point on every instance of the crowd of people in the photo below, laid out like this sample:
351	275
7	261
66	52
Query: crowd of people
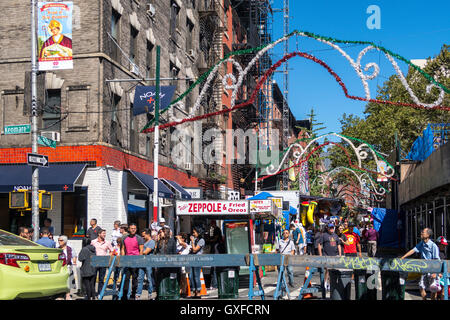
345	239
336	238
126	241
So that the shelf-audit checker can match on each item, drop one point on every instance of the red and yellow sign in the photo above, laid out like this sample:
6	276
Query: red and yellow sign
213	207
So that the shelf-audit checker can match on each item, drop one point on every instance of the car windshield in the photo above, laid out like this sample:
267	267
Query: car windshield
9	239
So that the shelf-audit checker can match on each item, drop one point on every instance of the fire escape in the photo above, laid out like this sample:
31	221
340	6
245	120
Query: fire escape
252	26
212	25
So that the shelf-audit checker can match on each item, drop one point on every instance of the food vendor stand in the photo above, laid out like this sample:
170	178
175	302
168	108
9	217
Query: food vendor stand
238	218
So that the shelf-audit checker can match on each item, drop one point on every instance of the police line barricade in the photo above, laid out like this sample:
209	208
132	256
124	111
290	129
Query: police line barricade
373	264
205	260
255	261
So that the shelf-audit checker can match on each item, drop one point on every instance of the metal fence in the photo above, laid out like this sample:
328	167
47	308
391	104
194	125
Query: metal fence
255	261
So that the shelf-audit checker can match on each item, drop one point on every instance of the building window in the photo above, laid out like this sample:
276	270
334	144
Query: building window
115	130
134	138
174	71
115	32
51	116
114	107
149	60
189	96
148	146
133	43
174	20
189	35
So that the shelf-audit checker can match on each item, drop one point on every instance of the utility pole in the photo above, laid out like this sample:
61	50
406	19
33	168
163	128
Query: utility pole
156	215
34	144
286	88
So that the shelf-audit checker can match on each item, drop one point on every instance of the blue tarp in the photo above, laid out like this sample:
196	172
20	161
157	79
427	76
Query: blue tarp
423	147
292	210
135	209
261	196
385	221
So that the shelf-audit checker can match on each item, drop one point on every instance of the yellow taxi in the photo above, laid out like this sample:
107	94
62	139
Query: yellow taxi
29	270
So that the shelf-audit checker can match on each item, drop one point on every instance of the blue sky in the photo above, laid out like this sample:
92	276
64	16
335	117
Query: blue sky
413	29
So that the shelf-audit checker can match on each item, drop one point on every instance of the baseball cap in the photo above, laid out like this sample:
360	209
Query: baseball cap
162	220
442	240
330	225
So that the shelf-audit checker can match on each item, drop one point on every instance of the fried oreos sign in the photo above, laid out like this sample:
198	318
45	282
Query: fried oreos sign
222	207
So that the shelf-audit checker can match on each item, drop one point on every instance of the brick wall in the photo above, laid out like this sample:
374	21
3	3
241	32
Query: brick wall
107	196
92	66
103	155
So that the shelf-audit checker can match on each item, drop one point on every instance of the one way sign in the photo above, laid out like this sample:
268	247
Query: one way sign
34	159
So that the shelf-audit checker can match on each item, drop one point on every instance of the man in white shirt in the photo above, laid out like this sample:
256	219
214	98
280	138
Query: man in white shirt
286	246
115	234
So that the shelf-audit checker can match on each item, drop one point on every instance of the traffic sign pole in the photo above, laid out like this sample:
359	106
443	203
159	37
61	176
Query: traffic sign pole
34	144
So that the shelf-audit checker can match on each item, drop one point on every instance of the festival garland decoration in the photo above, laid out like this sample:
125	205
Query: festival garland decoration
210	74
270	71
353	184
351	165
287	149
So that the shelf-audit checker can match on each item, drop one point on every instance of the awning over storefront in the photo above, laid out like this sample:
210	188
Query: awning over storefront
183	193
147	180
55	178
135	209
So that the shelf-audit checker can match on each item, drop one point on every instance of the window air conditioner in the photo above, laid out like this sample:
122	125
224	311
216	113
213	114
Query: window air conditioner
134	69
151	11
191	53
188	166
52	135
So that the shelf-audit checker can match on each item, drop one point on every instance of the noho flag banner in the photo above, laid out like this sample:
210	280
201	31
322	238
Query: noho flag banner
145	97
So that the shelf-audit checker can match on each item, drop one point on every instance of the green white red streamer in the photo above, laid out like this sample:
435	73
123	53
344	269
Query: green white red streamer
236	83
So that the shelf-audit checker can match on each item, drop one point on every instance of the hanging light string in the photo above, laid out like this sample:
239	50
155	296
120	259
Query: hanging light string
264	78
208	75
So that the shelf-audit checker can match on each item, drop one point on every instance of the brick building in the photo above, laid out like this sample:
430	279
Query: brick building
92	119
104	162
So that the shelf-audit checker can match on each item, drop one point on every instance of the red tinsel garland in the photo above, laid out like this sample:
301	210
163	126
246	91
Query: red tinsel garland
270	71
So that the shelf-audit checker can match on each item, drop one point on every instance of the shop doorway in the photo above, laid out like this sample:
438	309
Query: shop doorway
74	212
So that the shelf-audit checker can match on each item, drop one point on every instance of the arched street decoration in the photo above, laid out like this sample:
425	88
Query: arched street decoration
360	195
362	152
234	82
365	181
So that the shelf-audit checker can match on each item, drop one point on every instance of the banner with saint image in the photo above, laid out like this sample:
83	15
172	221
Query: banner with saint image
55	35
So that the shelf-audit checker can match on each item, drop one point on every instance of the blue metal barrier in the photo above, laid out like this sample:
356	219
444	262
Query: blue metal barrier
254	261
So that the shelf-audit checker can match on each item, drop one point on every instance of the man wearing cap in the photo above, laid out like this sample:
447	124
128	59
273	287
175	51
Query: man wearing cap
329	246
162	224
442	245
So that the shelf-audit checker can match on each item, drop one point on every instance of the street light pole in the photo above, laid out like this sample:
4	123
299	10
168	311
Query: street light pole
156	216
34	145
